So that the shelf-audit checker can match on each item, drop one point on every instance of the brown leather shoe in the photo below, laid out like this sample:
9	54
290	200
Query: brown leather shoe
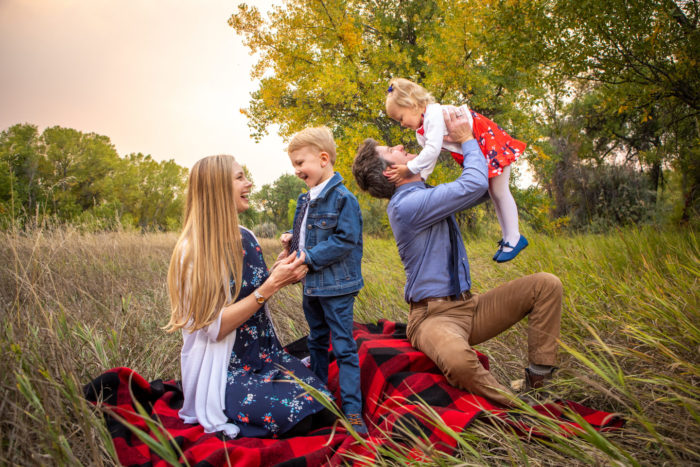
357	423
535	381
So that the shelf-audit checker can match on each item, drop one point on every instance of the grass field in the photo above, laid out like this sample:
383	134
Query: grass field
74	305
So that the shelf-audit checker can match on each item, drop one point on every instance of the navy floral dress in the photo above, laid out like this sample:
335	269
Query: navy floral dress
261	399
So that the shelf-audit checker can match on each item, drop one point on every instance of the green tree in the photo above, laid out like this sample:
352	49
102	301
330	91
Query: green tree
63	148
8	193
329	63
645	54
272	200
150	192
76	168
630	67
20	149
79	177
633	68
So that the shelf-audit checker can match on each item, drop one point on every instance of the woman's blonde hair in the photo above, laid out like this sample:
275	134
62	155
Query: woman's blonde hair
209	252
408	94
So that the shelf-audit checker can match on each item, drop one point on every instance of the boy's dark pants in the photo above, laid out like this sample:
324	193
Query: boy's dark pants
327	315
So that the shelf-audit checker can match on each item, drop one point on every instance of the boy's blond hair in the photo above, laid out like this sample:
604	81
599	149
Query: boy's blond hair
319	138
408	94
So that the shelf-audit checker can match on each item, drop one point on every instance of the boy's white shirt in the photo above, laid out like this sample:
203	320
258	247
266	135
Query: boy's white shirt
433	140
314	192
204	367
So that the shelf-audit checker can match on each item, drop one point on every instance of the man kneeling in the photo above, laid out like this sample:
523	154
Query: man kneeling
445	318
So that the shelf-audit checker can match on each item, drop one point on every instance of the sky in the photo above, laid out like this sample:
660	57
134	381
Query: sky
161	77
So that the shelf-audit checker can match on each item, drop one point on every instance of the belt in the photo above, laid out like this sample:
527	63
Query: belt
464	296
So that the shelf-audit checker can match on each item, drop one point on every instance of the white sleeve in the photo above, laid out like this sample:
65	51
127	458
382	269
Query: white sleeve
212	329
204	368
434	133
204	365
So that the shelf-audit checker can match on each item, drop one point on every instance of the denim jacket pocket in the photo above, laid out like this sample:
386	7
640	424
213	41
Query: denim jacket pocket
326	221
334	272
323	226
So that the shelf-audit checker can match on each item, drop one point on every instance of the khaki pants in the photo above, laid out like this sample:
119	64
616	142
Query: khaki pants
446	330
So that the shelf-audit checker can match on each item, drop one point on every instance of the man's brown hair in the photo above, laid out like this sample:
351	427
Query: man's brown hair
368	168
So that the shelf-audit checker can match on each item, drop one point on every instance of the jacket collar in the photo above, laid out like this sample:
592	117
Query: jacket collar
334	181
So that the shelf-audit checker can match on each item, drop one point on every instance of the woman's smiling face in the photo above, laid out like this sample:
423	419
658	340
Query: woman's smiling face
241	188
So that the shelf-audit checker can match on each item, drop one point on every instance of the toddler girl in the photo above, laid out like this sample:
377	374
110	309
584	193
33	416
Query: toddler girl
413	107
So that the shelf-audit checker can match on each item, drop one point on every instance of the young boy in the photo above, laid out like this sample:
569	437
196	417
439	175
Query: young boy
328	229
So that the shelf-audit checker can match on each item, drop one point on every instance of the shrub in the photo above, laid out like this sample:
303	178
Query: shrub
265	230
535	208
608	196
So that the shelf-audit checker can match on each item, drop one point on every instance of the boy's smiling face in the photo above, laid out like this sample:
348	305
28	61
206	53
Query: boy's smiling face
311	165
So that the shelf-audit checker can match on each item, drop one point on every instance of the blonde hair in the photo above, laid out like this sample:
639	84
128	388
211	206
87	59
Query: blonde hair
319	138
209	251
408	94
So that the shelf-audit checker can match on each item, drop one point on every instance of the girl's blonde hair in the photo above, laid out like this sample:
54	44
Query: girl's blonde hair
408	94
209	251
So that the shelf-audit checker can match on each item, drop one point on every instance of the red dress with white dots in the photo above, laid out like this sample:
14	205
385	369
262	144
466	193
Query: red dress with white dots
499	148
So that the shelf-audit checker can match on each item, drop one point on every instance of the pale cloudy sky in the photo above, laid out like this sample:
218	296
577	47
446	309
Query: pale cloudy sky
161	77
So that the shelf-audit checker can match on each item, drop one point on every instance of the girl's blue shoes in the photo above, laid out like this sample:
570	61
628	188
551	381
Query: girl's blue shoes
500	249
503	256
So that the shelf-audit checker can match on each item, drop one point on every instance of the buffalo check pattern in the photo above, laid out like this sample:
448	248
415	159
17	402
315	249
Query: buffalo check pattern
397	382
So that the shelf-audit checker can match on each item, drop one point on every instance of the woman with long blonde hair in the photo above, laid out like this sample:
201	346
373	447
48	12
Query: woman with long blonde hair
235	375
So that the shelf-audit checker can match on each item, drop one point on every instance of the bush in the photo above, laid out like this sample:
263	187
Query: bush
374	219
265	230
608	196
535	208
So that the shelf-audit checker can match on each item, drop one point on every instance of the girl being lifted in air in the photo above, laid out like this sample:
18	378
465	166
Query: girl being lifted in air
414	107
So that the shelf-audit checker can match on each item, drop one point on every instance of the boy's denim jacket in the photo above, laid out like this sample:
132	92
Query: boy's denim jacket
333	243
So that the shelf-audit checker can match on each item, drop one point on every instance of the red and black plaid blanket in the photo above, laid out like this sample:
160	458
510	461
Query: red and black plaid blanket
397	383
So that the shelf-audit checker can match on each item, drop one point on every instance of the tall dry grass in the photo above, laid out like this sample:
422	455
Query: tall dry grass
74	305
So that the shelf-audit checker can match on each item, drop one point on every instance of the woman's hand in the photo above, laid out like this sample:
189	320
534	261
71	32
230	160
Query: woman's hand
282	255
288	270
285	240
397	172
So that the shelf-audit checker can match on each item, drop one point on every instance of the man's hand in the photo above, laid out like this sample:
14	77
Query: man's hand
457	123
397	172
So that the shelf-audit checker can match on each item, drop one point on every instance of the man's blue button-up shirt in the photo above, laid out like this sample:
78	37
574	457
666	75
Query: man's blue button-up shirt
418	217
